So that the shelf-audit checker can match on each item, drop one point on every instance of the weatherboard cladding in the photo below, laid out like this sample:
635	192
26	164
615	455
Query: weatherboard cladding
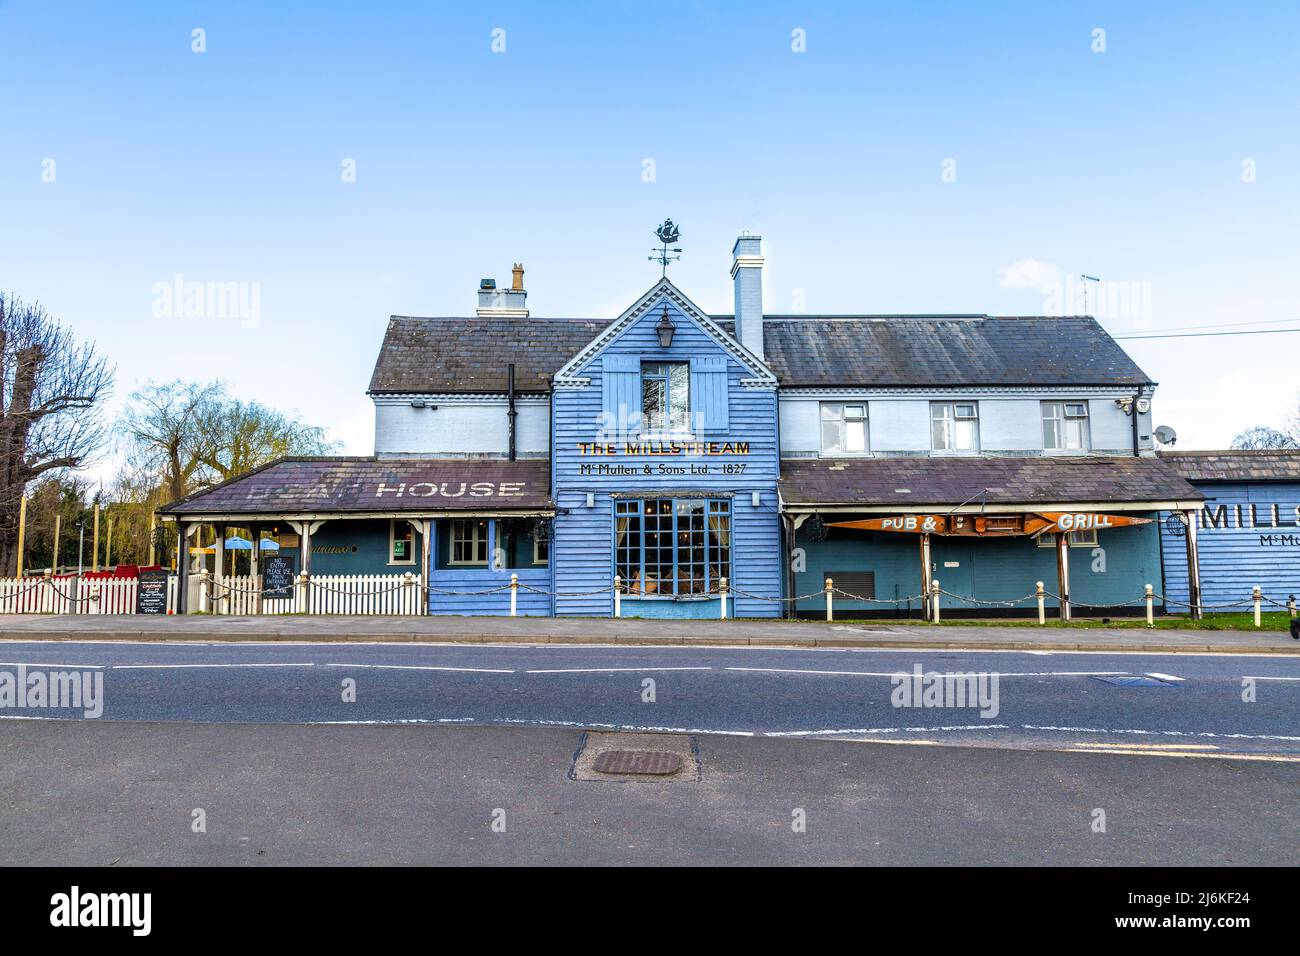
908	482
470	355
582	550
341	485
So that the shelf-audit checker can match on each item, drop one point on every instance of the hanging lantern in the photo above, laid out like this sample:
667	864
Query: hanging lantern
816	529
540	529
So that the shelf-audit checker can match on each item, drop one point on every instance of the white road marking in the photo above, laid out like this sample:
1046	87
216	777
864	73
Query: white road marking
423	667
1248	677
790	670
611	670
881	730
1161	733
44	665
140	667
1159	676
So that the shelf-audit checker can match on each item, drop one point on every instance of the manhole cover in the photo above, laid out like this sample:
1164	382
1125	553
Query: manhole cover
656	762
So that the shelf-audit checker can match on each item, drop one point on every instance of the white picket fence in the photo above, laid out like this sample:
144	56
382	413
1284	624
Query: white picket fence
65	595
364	594
368	594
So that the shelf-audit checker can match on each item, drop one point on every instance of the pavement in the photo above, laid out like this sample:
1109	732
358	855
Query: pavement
630	631
126	794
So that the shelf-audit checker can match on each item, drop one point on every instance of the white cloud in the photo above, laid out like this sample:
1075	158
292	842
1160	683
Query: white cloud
1030	274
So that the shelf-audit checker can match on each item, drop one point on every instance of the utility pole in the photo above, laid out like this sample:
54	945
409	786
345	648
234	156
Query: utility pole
54	560
94	543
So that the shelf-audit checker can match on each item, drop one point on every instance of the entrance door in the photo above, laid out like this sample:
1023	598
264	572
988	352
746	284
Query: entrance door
953	567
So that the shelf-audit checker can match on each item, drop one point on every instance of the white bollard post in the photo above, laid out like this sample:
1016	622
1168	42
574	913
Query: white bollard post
1151	615
300	598
830	601
1042	597
618	596
1256	595
1290	605
204	594
514	594
934	587
722	593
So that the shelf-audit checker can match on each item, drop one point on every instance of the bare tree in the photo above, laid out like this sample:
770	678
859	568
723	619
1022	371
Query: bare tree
50	388
189	436
1263	436
161	426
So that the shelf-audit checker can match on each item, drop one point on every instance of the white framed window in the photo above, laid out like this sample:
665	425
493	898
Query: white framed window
1078	539
1065	426
469	542
541	550
954	426
844	428
401	542
665	396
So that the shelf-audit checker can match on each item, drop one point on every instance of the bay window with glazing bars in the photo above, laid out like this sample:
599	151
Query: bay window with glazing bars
672	547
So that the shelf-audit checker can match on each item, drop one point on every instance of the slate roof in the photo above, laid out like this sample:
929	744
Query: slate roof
341	485
1276	464
471	354
946	482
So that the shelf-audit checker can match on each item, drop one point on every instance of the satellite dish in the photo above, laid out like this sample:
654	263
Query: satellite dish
1166	435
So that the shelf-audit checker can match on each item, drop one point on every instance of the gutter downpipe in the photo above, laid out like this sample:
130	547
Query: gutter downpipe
511	412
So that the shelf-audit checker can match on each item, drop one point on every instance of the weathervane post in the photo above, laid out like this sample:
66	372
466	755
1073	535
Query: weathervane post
668	234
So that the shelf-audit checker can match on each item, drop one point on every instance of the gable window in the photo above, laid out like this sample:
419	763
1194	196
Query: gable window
1065	426
672	547
469	542
401	542
844	428
665	396
954	426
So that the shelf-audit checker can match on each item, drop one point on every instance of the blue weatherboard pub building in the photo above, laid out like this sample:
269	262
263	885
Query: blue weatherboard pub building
664	450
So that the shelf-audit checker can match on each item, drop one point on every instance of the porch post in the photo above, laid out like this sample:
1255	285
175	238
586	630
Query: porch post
1063	572
182	567
219	598
1193	567
254	564
426	549
926	571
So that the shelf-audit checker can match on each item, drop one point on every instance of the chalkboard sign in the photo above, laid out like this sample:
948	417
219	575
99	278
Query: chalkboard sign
151	593
277	576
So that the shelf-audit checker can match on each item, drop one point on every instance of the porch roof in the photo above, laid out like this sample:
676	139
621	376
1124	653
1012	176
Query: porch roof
983	483
371	486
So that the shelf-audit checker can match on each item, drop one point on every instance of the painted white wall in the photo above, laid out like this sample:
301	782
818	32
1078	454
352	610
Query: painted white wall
1011	424
459	428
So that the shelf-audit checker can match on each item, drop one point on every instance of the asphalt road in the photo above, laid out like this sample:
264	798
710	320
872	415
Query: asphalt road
443	740
98	793
1065	699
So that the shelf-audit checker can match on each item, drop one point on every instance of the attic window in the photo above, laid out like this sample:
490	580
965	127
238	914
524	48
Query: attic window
665	396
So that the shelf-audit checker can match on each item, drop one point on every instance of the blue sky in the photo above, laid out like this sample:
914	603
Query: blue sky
226	166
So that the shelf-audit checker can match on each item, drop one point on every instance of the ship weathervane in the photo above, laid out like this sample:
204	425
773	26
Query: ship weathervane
668	233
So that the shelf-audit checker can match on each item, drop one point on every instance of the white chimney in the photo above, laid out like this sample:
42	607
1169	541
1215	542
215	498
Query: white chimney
747	274
504	302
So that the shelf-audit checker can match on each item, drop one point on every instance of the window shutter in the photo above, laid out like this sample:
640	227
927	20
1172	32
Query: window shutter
620	392
709	393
